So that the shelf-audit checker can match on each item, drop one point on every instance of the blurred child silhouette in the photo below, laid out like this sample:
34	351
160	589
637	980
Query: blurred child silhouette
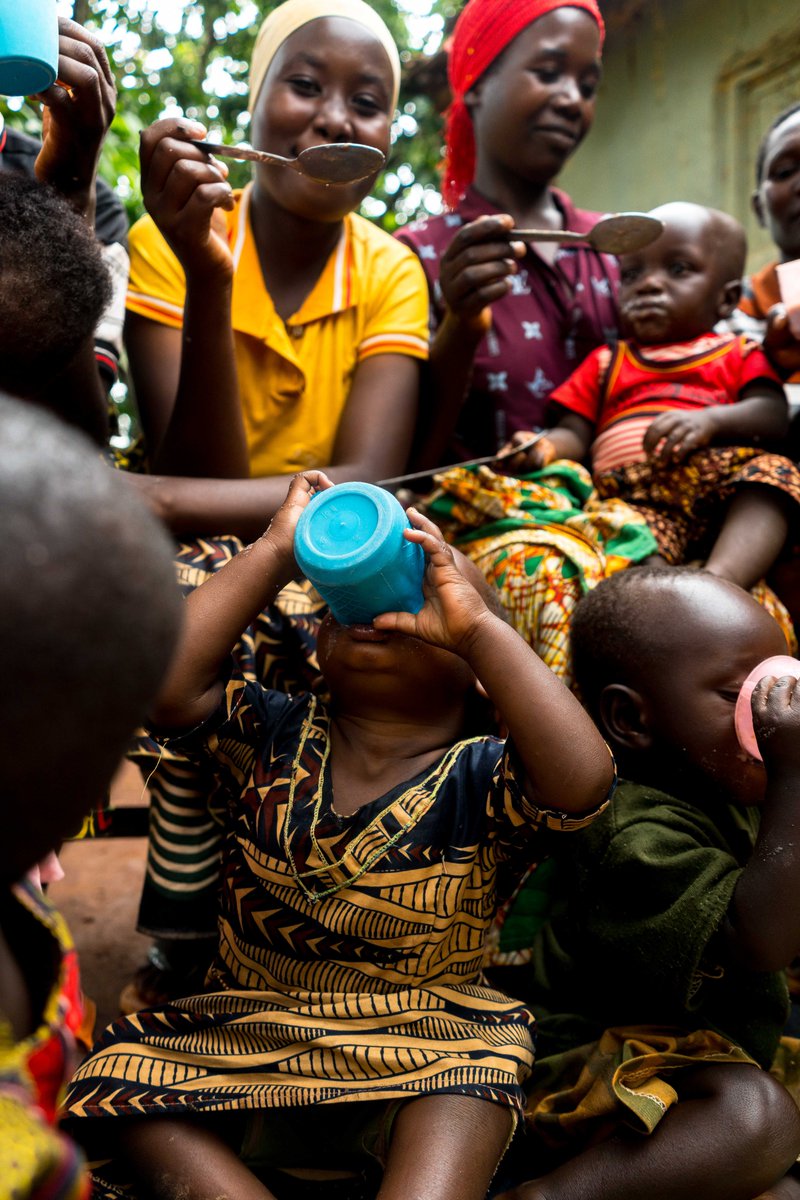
90	613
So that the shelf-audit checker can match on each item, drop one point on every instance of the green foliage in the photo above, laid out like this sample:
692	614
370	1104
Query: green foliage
194	57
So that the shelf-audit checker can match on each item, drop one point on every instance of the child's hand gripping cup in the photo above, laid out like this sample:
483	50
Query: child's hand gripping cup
28	46
781	664
349	543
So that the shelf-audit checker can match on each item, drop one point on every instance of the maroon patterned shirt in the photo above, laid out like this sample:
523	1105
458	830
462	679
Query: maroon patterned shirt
541	330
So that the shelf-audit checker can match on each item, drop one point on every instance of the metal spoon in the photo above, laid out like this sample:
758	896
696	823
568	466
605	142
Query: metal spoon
620	233
339	162
397	480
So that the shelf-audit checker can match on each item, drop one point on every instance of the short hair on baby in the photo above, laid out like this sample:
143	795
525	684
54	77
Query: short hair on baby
54	284
89	612
613	634
722	235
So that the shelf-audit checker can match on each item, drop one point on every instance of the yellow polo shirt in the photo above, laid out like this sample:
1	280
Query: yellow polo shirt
295	376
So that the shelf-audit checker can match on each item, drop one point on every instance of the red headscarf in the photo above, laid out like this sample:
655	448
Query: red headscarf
482	32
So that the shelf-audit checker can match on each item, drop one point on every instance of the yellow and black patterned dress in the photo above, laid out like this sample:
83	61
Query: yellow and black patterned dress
36	1161
350	950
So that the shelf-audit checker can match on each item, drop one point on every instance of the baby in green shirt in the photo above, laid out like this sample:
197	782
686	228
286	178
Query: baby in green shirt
677	912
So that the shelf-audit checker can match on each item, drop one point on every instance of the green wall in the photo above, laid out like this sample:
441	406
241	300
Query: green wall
689	86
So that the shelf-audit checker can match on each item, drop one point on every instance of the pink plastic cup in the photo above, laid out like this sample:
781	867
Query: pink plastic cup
789	284
780	665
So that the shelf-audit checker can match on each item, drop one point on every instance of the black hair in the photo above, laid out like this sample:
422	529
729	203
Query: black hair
612	634
89	612
761	156
54	284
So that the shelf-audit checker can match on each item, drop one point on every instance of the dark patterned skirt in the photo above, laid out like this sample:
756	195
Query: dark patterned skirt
276	1058
684	503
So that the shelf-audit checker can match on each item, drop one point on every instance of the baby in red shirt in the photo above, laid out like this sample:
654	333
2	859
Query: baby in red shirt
673	417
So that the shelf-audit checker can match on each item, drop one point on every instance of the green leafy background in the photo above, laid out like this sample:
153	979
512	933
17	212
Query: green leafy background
193	57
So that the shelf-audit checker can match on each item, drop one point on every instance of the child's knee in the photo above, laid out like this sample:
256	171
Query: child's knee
754	1105
771	1117
455	1116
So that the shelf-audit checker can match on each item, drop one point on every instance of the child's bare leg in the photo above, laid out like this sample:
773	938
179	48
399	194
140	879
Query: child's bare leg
176	1159
751	538
445	1148
734	1134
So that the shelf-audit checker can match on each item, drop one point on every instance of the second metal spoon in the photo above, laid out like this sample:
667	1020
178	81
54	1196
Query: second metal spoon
339	162
501	456
620	233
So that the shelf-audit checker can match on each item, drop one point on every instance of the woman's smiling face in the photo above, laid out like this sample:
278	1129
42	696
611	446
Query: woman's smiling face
777	198
330	81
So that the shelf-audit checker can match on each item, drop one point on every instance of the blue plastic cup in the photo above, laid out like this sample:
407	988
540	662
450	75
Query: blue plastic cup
349	542
28	46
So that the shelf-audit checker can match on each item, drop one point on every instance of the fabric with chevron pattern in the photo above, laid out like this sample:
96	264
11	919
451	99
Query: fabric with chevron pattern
179	897
351	947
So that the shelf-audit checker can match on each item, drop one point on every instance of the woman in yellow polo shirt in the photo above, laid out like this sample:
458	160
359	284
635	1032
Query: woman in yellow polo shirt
274	330
269	331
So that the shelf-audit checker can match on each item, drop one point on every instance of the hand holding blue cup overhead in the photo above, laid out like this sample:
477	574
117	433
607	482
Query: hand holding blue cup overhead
350	544
28	46
78	105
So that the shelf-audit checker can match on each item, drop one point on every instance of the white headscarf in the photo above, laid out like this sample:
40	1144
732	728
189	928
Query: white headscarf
290	16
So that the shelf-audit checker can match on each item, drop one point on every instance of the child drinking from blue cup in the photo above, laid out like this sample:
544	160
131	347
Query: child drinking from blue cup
368	847
350	542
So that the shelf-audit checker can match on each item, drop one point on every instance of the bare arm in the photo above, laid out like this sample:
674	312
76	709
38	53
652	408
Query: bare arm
206	434
220	610
373	443
190	400
154	361
760	416
567	764
81	396
762	927
475	271
165	364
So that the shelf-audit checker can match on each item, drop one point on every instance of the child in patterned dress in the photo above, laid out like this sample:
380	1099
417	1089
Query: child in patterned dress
367	847
672	417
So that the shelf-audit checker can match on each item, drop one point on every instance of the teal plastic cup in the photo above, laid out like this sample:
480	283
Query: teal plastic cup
349	542
28	46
